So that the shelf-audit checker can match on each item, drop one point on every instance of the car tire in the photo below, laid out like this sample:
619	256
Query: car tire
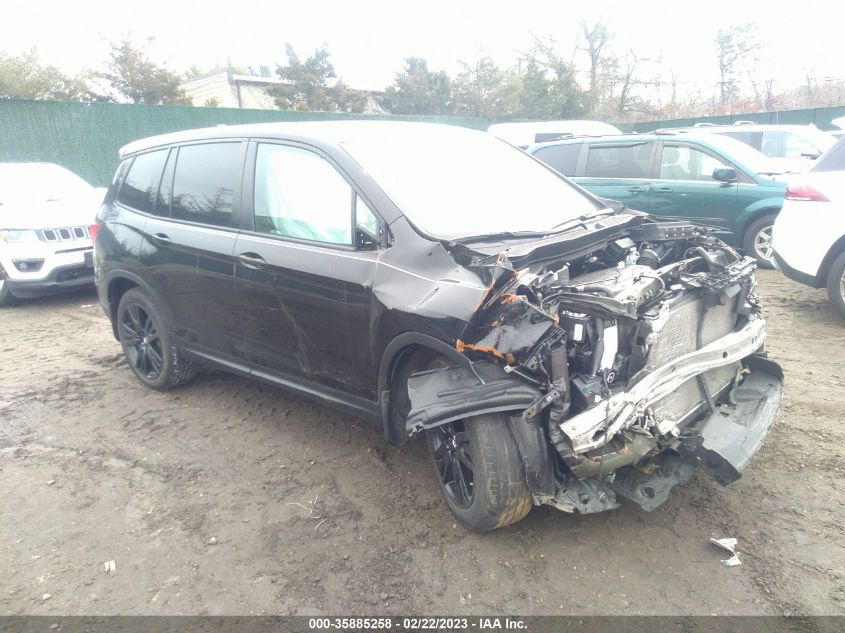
836	284
757	242
6	296
494	492
147	343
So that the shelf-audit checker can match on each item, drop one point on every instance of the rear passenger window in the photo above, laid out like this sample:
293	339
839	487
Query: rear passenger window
299	194
204	183
561	158
749	138
628	161
140	188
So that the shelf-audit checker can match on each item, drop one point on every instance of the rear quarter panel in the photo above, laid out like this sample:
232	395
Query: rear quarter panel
804	232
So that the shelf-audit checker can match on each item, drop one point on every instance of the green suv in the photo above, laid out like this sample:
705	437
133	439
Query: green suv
711	180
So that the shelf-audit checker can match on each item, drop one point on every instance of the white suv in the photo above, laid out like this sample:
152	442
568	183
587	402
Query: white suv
45	246
809	232
790	147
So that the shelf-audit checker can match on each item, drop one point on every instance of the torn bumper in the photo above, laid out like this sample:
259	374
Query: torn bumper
592	428
722	443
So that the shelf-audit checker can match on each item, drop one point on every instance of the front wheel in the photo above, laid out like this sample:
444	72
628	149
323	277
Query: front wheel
147	345
480	472
758	241
836	284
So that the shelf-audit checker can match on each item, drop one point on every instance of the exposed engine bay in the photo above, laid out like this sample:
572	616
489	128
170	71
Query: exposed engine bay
624	367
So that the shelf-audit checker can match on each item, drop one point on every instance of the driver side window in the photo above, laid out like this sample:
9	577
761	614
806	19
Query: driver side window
299	194
680	162
366	226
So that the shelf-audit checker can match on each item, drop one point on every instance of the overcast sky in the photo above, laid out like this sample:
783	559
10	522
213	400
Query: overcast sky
368	39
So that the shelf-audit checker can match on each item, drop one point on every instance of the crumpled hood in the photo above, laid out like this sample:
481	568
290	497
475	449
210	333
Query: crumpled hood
44	214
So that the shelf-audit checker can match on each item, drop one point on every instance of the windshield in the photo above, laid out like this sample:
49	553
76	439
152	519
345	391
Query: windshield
39	182
453	183
523	134
741	153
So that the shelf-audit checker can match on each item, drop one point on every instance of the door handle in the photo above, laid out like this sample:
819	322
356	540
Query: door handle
636	189
162	239
663	189
252	260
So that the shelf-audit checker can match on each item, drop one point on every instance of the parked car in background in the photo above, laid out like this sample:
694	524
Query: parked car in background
436	280
45	247
704	178
525	133
809	233
791	147
839	132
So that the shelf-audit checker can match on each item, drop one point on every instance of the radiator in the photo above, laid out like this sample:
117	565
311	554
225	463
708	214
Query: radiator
678	337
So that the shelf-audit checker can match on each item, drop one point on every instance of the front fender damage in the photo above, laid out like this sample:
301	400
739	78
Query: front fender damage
444	395
440	396
623	368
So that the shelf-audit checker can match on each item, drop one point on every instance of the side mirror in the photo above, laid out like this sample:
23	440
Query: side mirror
725	174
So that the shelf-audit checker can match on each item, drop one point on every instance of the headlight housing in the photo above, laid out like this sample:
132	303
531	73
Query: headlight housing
18	235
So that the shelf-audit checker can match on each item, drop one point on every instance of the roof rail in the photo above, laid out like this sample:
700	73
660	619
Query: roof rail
745	122
566	136
704	124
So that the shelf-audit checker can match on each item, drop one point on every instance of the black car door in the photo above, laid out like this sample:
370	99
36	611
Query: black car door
165	260
191	243
304	271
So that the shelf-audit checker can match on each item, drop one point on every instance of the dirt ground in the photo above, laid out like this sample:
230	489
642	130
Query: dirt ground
229	497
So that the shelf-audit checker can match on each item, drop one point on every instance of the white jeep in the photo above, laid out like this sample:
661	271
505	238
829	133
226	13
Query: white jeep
45	246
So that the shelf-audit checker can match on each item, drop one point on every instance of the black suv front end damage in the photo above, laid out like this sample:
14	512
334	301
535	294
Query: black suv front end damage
626	361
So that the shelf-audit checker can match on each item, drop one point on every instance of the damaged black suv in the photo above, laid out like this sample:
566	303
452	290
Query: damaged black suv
553	348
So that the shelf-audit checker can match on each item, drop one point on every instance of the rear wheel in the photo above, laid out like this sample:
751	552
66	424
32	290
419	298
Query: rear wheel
6	296
836	284
147	343
758	241
480	472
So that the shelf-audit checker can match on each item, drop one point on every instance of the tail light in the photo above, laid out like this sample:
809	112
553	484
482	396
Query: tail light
93	229
805	193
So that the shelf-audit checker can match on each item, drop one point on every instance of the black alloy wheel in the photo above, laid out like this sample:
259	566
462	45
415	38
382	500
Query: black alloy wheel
142	341
480	472
449	446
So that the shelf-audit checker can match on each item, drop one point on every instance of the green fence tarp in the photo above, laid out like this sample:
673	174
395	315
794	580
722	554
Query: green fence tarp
820	117
85	137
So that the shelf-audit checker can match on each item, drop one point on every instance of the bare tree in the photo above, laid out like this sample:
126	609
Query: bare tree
811	83
559	96
734	44
597	37
627	80
769	86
